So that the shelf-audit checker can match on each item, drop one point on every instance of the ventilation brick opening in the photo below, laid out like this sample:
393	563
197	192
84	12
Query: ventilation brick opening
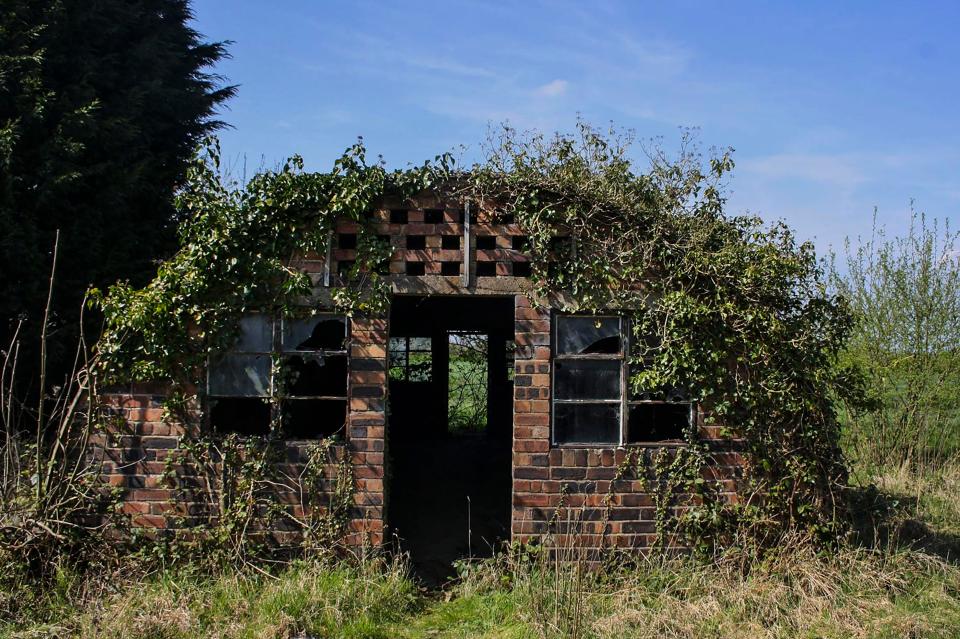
347	241
398	216
486	242
450	242
416	268
486	269
521	269
416	242
433	216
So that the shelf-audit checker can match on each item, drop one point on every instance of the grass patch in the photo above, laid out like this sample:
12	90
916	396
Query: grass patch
796	593
307	599
902	583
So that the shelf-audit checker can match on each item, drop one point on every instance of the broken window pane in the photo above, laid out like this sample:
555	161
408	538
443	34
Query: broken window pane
313	418
315	375
243	415
582	335
674	394
324	332
240	375
256	334
586	423
656	422
587	379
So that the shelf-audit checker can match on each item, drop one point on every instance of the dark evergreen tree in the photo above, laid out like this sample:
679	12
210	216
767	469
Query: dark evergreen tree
101	105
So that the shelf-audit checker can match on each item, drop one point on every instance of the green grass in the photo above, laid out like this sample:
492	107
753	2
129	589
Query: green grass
907	584
322	600
467	397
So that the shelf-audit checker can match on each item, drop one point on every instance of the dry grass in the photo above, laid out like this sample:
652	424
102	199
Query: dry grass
905	585
321	599
795	592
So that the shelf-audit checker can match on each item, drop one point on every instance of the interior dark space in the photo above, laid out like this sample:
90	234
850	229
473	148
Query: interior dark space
449	428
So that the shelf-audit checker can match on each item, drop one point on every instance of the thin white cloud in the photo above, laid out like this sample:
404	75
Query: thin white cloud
552	89
843	170
446	65
665	58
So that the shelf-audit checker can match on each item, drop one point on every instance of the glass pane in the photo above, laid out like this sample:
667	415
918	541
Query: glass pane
587	379
419	344
657	422
313	418
580	335
586	423
256	334
240	375
312	374
324	332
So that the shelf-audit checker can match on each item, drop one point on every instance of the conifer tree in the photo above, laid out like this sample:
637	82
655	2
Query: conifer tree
102	102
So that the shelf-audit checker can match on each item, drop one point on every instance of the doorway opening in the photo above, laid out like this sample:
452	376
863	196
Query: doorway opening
450	428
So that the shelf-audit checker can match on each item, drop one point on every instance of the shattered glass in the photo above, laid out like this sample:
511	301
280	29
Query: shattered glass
583	335
315	375
327	333
655	422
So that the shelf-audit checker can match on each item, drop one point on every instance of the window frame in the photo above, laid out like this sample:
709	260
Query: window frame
277	354
624	402
406	358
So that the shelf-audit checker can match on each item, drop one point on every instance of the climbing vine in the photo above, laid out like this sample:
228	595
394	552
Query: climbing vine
239	249
730	310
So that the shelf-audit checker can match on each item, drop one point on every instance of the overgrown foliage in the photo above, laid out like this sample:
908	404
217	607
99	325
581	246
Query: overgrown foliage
733	312
101	106
799	592
905	292
238	246
55	512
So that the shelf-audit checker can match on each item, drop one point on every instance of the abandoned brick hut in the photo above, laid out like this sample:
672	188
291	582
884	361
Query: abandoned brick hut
556	421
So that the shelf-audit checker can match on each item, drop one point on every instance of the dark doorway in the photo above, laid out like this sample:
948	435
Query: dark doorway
450	426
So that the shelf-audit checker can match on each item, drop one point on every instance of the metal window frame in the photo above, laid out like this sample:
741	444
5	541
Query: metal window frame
325	352
556	321
275	399
232	351
406	354
624	401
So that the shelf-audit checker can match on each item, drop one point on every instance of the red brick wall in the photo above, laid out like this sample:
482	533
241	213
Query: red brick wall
499	260
552	486
135	452
580	491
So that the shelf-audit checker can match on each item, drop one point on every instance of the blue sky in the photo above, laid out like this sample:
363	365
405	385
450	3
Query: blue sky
833	107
